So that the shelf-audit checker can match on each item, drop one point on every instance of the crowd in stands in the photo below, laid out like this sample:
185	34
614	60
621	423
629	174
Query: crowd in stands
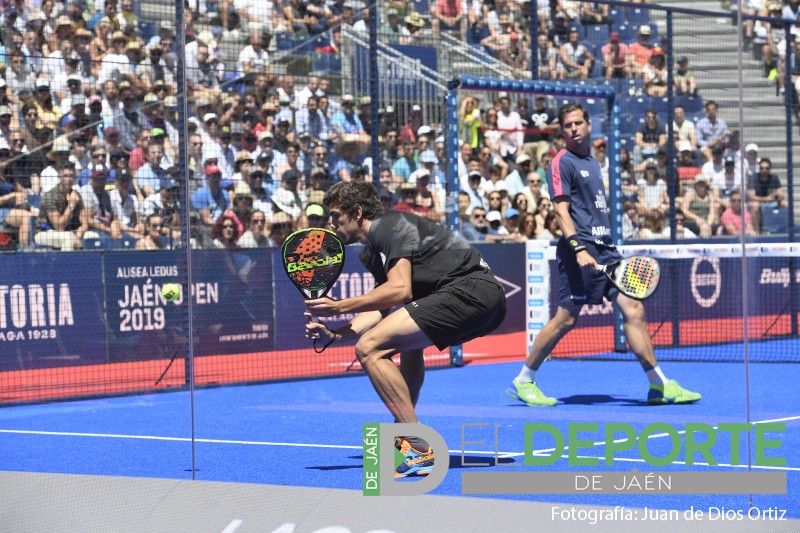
90	139
505	154
768	39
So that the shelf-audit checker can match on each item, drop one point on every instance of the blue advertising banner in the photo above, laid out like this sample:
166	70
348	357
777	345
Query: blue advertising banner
237	301
232	297
508	265
51	311
59	309
141	323
505	261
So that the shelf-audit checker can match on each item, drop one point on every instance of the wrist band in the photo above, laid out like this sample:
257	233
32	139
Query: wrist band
576	244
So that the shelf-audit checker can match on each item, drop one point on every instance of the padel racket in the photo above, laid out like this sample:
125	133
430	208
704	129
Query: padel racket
313	258
636	276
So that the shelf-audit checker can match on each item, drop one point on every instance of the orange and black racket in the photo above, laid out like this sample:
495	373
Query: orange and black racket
313	258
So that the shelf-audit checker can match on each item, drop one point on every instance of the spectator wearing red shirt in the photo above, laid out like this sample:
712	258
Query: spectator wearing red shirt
448	15
731	219
641	50
139	154
617	58
408	133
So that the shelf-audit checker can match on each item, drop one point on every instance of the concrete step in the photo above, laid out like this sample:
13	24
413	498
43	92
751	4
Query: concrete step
750	83
157	11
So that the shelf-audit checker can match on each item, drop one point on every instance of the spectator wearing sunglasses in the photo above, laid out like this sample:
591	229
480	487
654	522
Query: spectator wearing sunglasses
282	227
153	238
258	234
225	233
477	227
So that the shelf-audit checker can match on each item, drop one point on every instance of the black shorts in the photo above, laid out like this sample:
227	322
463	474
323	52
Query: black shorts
460	312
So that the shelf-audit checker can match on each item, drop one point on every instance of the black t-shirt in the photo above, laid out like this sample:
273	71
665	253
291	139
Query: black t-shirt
438	257
764	188
650	136
538	120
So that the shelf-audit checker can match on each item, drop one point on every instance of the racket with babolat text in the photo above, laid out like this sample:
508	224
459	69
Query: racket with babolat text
313	258
636	276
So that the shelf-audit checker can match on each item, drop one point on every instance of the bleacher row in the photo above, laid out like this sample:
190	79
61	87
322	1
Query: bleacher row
632	107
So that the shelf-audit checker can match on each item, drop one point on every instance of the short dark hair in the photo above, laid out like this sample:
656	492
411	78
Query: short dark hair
569	108
349	195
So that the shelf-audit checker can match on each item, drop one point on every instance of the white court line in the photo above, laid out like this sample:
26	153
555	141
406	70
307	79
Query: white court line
233	526
498	454
217	441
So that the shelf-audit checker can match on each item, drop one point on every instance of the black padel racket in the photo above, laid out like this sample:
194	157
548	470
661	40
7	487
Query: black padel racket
636	276
313	258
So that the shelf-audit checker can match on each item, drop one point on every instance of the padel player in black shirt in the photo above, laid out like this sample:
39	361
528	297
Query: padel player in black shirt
446	293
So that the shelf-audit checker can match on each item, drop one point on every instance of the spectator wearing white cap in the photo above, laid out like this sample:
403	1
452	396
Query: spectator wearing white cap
751	159
6	115
642	49
516	180
686	166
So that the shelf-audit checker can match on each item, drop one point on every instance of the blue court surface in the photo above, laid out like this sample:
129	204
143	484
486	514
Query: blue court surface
309	433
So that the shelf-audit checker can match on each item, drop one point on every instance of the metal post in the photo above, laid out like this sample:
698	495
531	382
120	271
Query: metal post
534	29
789	94
183	164
615	197
453	184
374	91
672	180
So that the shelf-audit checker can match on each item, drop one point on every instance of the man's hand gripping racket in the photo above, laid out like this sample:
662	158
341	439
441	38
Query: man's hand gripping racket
313	258
636	277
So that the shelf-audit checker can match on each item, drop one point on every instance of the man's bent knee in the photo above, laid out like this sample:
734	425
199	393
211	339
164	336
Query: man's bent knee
368	351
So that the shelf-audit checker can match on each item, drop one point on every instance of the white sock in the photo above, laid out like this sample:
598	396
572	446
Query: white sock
527	374
656	376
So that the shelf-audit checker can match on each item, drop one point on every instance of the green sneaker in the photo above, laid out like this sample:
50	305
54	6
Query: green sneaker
530	394
671	392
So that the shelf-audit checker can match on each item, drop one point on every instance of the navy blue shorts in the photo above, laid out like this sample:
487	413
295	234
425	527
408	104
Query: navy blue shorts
577	286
